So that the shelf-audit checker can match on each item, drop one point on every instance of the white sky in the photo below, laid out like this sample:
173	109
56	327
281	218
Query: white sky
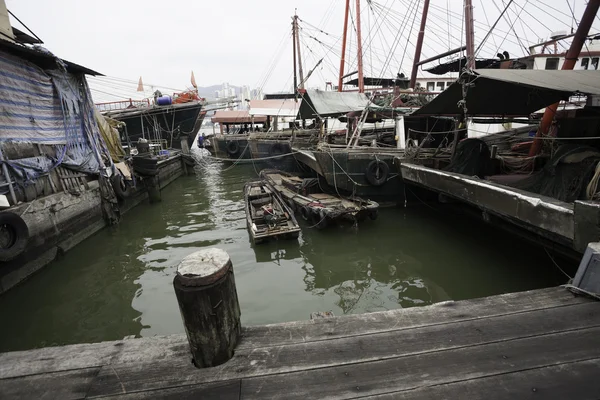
237	41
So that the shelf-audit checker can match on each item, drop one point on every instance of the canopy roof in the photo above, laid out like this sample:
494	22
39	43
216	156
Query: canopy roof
512	92
236	117
329	104
275	107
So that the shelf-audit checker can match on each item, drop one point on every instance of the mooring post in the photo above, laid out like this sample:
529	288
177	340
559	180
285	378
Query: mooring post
207	297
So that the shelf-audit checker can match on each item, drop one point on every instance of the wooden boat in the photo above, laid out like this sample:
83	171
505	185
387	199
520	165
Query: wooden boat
319	209
268	217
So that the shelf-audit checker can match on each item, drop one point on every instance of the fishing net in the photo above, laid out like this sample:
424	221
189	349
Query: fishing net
566	175
472	158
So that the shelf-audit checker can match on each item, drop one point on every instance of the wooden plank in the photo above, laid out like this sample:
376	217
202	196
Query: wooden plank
53	359
428	369
577	380
214	391
350	350
440	313
59	385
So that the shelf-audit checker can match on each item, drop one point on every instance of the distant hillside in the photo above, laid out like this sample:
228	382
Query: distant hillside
209	91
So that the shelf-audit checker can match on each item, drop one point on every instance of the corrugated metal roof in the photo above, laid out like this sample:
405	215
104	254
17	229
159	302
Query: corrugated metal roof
275	107
512	92
236	117
322	103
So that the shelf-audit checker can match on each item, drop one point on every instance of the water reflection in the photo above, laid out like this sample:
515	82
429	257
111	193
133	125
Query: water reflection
119	282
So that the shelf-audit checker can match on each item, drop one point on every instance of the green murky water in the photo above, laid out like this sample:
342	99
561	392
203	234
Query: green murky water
119	282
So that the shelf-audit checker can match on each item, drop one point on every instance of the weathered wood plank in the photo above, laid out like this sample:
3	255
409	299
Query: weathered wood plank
571	381
428	369
63	358
59	385
55	359
214	391
441	313
348	350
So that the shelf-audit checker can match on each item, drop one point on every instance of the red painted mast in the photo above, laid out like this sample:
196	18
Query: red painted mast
361	80
413	75
343	60
570	59
470	34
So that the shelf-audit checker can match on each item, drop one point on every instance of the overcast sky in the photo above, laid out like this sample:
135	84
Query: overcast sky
247	42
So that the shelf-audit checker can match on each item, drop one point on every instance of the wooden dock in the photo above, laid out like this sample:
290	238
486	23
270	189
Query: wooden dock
537	344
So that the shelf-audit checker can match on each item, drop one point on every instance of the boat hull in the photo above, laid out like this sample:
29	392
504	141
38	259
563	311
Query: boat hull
168	123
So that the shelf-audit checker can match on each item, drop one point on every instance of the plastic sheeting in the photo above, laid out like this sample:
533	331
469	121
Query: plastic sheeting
52	107
30	109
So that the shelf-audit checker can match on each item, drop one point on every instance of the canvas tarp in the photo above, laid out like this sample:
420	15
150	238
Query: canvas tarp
110	134
330	104
512	92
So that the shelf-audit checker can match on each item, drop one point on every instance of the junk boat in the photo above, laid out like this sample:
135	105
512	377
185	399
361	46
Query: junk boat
268	217
316	207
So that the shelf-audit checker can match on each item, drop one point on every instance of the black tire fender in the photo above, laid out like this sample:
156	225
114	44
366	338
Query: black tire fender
121	188
232	147
305	213
377	172
318	219
14	235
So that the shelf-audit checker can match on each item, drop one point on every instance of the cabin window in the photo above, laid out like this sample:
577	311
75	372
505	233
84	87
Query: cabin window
594	63
552	63
440	86
584	63
430	86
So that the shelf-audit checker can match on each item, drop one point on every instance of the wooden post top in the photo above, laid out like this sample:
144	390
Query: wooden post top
203	267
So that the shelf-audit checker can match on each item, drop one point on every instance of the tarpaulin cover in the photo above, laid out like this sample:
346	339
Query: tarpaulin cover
30	109
328	104
511	92
110	134
51	107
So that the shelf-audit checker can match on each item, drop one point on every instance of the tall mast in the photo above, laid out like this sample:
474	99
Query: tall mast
413	75
343	59
361	81
294	46
299	54
570	59
470	34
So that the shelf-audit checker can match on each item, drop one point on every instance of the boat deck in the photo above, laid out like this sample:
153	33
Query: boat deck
542	343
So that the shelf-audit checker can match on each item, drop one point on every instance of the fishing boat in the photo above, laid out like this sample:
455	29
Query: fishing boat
268	217
318	208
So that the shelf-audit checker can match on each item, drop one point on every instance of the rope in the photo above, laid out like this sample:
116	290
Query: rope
592	188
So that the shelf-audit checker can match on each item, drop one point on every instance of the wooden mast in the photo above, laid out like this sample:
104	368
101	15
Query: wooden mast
570	59
300	70
470	34
361	80
343	59
294	46
413	75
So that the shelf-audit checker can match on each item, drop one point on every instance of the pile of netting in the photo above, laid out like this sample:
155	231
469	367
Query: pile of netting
567	174
472	158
